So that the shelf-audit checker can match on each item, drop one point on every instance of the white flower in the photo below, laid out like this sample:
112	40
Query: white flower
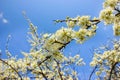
93	63
110	3
107	15
46	35
70	24
76	57
116	46
98	73
26	78
84	21
116	29
64	35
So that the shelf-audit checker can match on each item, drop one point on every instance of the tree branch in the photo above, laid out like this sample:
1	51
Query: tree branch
43	74
113	66
92	72
12	68
48	57
60	21
59	70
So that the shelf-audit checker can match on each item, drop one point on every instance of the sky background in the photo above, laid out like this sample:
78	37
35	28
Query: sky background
42	13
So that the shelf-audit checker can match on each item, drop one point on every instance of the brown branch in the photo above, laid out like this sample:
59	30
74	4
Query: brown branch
36	72
60	21
12	68
117	14
95	21
43	74
7	78
38	64
117	9
113	66
59	70
92	72
65	44
48	57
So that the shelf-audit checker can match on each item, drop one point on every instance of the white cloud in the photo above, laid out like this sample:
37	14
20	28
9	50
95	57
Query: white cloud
4	20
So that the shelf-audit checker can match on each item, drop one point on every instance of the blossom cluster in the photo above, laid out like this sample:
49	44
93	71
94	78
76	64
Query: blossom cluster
107	61
46	59
111	14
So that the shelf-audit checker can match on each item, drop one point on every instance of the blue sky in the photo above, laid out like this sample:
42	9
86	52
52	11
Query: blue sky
42	13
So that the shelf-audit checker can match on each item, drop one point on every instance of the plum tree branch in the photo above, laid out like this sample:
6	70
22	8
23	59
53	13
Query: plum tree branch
113	66
75	20
92	72
59	70
12	68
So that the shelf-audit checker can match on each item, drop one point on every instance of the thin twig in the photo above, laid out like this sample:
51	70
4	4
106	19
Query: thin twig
59	70
25	16
74	20
113	66
48	57
65	44
7	43
92	72
43	74
6	46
